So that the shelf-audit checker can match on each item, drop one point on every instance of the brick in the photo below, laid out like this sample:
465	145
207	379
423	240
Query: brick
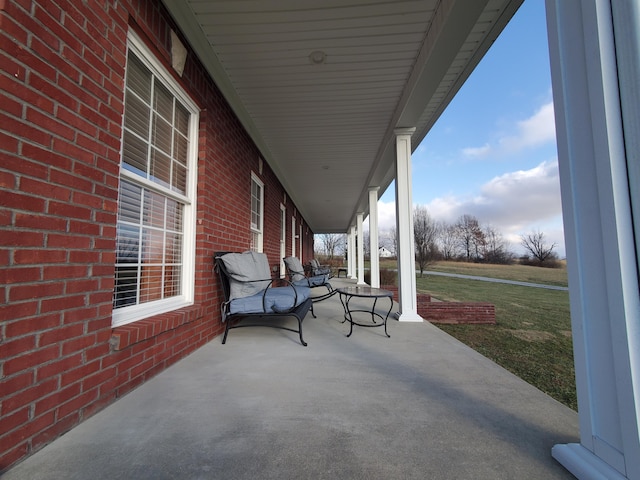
15	311
49	124
55	272
10	106
48	434
73	181
14	384
22	238
77	403
98	378
79	120
13	30
7	179
76	91
24	93
19	201
81	315
78	344
11	455
40	256
20	275
84	228
40	222
58	367
31	325
26	430
87	199
44	189
67	210
29	395
50	402
30	360
84	257
78	374
459	312
81	286
60	334
68	241
105	399
98	351
18	346
24	166
14	420
37	290
61	303
69	149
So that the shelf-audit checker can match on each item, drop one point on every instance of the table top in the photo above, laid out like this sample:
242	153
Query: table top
364	291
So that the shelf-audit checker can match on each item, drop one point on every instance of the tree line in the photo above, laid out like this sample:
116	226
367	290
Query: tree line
466	239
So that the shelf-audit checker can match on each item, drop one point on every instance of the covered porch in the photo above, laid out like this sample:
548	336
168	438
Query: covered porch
416	405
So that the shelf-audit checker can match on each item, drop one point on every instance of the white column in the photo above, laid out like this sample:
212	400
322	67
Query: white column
360	248
404	228
373	237
351	259
602	259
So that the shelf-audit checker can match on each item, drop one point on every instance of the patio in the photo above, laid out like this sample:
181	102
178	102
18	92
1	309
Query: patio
416	405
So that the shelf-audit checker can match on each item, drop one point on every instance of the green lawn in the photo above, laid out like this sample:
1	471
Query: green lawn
532	337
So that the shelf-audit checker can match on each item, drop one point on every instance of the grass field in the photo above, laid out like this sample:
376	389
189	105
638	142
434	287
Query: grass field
532	337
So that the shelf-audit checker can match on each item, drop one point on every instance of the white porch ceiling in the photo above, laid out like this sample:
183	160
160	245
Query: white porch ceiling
327	129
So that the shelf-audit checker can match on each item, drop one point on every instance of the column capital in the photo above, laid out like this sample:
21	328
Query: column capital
374	189
404	131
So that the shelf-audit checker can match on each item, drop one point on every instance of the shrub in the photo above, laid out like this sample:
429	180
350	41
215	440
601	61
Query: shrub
387	277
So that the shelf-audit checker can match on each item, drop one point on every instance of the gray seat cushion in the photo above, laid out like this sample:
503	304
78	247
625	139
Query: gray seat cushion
315	281
296	270
276	300
249	273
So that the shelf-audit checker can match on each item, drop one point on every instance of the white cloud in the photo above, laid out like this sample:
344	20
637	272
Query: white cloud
539	129
514	203
532	132
477	151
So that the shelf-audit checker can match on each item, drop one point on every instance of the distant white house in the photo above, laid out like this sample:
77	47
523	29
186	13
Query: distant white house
384	253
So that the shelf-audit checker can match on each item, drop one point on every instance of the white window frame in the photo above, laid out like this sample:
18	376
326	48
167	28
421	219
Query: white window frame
293	236
257	230
283	238
129	314
300	240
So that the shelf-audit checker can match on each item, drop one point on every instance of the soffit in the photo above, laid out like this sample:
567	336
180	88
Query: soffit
326	128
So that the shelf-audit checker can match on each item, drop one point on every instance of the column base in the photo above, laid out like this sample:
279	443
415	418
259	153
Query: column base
409	317
583	464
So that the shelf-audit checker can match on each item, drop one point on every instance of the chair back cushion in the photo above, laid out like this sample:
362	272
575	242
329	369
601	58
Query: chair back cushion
244	269
295	268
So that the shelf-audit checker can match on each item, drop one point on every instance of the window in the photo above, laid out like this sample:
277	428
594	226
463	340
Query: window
283	238
293	236
257	210
156	202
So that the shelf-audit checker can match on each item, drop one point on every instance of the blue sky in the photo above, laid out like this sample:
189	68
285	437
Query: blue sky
492	153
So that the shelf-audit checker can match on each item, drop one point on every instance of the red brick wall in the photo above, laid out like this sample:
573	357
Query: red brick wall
61	106
450	312
458	312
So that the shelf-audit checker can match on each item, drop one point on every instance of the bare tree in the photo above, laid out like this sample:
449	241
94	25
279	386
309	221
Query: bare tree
470	236
537	246
424	234
389	241
447	240
332	243
496	250
366	244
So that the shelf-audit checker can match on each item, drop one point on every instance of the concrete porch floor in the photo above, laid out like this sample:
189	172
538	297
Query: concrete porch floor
418	405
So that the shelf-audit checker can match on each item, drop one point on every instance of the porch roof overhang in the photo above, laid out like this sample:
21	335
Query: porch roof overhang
321	86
